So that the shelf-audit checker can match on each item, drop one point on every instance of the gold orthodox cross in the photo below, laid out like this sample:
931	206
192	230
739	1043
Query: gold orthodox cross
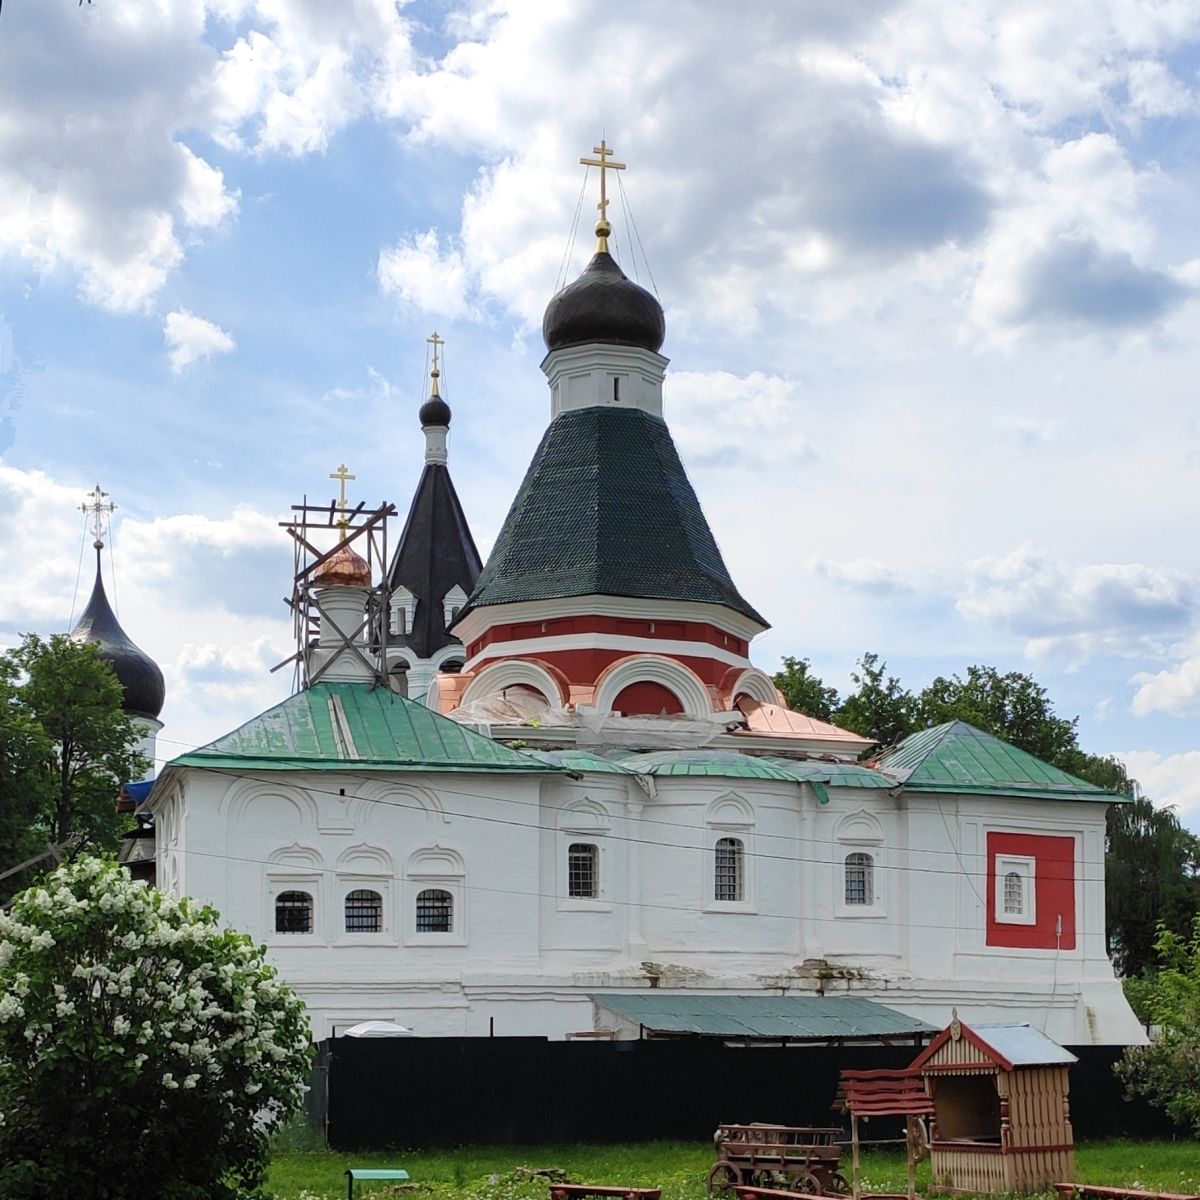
605	163
342	476
435	374
98	508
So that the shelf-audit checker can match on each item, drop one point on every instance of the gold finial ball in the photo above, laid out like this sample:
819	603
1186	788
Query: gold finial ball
603	229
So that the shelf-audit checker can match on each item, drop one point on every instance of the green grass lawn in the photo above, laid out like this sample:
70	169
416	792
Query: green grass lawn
677	1167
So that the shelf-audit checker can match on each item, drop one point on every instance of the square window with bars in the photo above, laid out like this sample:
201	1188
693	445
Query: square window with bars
293	912
583	874
364	911
435	911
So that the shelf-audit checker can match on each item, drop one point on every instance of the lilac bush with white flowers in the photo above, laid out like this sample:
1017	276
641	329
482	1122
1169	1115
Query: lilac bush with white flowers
144	1050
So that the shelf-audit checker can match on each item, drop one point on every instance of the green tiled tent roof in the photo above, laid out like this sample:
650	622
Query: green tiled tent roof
356	727
606	509
957	757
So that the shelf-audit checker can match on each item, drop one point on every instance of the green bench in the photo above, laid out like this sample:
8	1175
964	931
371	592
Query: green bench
355	1173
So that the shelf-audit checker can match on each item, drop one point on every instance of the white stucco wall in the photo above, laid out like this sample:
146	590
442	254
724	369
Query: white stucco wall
522	955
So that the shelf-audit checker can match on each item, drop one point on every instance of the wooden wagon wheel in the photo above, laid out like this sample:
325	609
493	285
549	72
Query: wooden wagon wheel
837	1184
808	1182
722	1177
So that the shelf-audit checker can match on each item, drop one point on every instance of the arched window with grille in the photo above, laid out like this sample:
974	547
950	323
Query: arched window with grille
364	911
435	911
729	870
1014	894
860	878
293	912
583	871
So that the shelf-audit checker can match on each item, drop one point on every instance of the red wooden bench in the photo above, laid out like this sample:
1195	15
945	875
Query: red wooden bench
1092	1191
573	1191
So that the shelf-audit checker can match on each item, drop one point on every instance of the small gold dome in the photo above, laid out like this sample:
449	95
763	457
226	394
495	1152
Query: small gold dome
343	568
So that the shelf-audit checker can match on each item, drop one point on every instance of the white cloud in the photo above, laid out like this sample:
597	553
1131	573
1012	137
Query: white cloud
860	574
1174	689
1077	610
720	419
93	177
192	339
1168	779
420	272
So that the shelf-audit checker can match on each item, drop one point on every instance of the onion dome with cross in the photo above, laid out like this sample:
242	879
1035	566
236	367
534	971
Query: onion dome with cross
603	305
345	567
139	675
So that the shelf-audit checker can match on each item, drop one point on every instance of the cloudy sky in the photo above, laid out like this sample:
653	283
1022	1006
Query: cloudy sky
930	267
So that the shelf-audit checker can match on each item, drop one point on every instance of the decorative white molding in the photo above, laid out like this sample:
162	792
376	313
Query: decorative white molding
626	643
685	685
244	793
756	684
584	817
730	812
479	620
365	859
453	600
404	609
296	856
603	376
374	800
514	673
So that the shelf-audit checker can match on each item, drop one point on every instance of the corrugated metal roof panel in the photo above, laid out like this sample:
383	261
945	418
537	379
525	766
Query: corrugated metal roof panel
728	764
1024	1046
796	1018
356	726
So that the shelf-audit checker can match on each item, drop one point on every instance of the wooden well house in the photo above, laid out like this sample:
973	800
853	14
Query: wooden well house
1001	1121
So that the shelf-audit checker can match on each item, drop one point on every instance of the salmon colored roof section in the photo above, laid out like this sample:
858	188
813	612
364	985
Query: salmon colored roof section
782	722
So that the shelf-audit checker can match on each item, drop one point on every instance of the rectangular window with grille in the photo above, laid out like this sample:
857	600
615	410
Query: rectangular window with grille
860	883
435	911
364	911
729	869
1014	894
583	873
293	912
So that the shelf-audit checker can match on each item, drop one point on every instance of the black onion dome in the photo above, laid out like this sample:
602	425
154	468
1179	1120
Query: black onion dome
603	305
435	411
138	674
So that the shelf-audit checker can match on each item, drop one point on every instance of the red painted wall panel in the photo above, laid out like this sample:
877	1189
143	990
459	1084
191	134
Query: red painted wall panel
1054	891
646	699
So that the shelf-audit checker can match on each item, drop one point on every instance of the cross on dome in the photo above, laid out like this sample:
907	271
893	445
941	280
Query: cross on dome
435	374
605	163
98	508
342	476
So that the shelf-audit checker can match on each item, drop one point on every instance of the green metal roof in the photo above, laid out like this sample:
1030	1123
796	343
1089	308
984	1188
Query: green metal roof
957	757
796	1018
606	509
356	727
727	764
833	774
580	760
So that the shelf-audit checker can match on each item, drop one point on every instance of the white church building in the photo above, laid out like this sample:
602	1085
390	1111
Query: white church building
559	775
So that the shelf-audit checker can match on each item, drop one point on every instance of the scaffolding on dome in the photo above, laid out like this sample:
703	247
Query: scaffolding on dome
363	531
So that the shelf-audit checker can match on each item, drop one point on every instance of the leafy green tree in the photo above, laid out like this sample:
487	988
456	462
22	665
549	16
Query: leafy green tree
72	746
805	692
1167	1072
1152	882
1013	706
144	1051
879	707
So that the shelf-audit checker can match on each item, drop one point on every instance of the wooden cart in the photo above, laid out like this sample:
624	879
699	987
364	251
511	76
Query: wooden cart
795	1158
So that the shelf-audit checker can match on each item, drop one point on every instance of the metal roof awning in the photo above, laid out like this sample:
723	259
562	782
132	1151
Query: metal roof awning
761	1018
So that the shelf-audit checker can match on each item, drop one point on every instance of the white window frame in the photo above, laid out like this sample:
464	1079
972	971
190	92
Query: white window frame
403	601
288	881
738	846
418	881
1026	867
588	824
878	906
454	599
348	883
744	832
